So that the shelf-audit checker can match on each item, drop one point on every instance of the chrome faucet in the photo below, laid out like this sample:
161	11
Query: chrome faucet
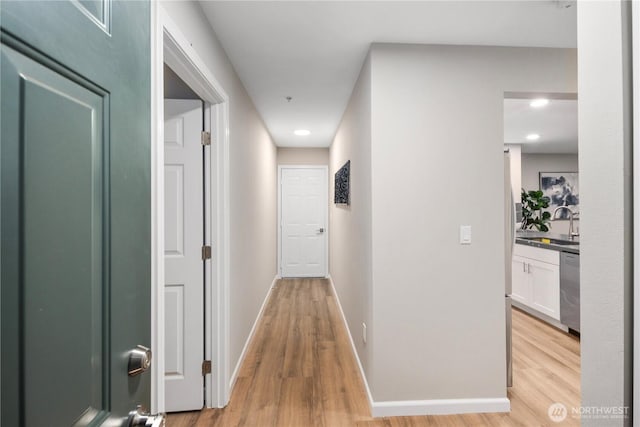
572	233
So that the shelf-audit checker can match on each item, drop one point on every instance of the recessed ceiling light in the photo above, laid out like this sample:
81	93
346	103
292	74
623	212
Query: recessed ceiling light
302	132
538	103
533	137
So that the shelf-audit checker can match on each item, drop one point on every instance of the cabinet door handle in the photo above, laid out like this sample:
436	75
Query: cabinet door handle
524	267
528	268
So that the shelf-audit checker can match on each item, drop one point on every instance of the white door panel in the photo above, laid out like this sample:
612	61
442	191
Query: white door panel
174	210
174	330
184	276
303	212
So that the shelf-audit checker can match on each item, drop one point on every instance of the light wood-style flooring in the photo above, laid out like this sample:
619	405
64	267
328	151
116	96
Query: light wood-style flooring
299	371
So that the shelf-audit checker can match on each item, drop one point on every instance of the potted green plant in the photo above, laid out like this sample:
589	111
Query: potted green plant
532	215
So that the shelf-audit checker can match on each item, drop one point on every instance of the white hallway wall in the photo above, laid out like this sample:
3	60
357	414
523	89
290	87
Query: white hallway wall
437	162
604	125
428	139
303	156
253	174
350	226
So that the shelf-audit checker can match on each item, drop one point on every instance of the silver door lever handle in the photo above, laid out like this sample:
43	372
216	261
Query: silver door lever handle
321	230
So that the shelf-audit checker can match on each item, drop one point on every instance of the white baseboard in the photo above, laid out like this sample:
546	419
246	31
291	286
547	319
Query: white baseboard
353	346
439	407
420	407
234	375
535	313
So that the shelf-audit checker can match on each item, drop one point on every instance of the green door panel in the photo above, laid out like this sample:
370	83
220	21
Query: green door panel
75	210
97	10
62	190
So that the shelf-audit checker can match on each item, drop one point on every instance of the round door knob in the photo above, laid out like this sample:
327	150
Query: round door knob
139	360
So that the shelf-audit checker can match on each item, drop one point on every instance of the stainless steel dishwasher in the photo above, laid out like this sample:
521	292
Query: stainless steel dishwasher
570	290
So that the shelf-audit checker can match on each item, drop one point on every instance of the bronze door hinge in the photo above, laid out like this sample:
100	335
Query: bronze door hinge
206	138
206	367
206	252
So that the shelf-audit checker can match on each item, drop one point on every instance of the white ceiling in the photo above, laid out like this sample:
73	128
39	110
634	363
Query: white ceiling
313	50
556	123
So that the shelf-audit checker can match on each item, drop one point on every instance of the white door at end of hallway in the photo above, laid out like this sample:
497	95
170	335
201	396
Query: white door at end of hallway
184	273
303	221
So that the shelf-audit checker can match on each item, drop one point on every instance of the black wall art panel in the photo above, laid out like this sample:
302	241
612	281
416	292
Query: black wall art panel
342	194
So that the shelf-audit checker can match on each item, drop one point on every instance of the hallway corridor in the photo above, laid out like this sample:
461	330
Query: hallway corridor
299	371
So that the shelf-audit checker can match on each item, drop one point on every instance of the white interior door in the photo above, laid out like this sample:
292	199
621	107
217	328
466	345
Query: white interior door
303	220
184	272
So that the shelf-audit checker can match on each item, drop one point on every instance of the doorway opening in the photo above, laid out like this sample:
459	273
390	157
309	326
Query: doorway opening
207	105
543	251
186	217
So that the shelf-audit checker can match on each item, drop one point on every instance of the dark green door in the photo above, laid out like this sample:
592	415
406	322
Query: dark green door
75	213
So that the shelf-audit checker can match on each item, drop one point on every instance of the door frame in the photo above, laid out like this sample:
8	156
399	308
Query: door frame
635	66
169	45
325	168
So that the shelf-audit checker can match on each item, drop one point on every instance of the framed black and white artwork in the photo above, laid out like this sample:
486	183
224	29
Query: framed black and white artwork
341	191
562	189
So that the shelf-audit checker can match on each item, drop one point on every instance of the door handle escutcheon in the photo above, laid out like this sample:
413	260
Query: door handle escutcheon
139	360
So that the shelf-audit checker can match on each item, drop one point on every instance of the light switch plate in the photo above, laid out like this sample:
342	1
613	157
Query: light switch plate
465	234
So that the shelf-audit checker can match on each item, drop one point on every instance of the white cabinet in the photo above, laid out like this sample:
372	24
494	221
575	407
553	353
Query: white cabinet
520	282
536	279
545	288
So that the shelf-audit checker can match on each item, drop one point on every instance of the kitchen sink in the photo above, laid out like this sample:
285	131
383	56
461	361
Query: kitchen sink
551	241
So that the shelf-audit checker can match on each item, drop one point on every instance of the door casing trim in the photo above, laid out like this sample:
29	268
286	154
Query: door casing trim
325	168
635	66
169	45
